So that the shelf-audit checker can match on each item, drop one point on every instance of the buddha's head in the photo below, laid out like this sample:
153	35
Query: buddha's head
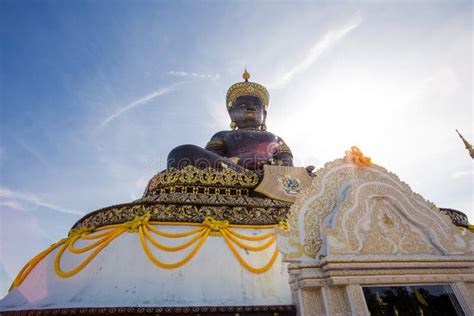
247	111
247	103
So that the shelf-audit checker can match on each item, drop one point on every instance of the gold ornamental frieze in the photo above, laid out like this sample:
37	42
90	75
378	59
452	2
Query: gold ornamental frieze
214	199
192	176
192	213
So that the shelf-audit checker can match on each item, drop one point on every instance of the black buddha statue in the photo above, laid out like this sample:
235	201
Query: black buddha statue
248	146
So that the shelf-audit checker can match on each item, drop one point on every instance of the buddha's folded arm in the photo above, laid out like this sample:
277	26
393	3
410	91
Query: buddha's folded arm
217	144
283	155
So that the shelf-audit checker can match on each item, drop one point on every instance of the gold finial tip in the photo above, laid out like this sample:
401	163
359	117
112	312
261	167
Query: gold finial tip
246	75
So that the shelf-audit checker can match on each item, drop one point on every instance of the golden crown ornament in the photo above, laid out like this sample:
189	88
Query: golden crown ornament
247	88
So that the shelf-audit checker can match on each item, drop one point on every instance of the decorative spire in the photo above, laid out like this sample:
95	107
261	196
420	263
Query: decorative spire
246	75
468	146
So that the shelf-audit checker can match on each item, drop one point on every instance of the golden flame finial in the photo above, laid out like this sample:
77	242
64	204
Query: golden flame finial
246	75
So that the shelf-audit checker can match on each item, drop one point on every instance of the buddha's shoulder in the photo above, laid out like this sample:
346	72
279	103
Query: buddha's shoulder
221	134
259	134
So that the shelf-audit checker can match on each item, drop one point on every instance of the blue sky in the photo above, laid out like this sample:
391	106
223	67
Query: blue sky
95	94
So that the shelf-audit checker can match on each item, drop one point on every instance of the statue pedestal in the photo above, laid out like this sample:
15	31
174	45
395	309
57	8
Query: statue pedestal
197	242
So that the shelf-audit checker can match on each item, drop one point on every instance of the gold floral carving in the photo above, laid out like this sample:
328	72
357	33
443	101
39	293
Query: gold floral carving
366	210
418	227
206	199
247	215
388	234
191	175
308	212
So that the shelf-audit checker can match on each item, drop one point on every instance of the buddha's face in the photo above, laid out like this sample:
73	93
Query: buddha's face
247	111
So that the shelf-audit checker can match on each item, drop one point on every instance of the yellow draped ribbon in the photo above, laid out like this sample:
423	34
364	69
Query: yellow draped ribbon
102	236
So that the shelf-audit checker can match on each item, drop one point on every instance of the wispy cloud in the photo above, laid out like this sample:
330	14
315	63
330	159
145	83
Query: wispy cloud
13	205
460	174
141	101
184	74
34	153
11	198
331	38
